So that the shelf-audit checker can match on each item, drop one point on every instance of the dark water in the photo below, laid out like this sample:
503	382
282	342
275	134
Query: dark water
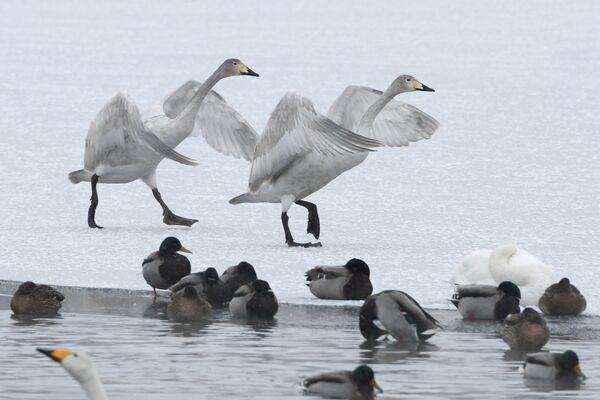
141	355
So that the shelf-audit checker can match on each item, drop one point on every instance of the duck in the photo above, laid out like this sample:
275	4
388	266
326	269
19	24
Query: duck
562	298
401	316
208	284
301	151
238	275
166	267
36	300
526	331
121	147
358	384
81	367
486	301
188	305
347	282
254	299
506	262
553	366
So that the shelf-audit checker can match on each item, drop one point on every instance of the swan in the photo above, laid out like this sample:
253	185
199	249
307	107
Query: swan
81	367
301	151
357	384
401	316
120	147
33	300
506	262
526	331
346	282
255	299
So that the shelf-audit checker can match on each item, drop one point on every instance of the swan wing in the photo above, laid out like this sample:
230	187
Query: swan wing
294	130
117	136
223	128
397	124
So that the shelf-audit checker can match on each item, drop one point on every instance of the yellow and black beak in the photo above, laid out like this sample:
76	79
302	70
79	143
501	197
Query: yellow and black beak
246	71
375	385
578	372
56	355
419	86
184	250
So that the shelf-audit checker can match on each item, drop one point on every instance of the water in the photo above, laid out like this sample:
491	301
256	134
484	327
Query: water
140	355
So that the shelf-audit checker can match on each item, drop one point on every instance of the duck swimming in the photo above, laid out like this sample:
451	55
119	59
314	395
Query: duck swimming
353	385
36	300
562	298
526	331
486	301
166	267
546	365
401	316
347	282
255	299
188	306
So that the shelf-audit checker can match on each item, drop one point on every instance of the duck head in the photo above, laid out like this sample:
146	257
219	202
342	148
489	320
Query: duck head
357	266
364	375
510	289
170	246
569	362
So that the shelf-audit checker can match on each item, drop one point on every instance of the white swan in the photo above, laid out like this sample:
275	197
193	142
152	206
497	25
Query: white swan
301	151
507	262
81	367
121	148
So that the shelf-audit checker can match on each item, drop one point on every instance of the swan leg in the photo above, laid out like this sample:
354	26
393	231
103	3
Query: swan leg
288	235
169	217
314	226
93	204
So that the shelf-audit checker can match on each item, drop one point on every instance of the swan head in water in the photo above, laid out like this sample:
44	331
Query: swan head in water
77	363
407	83
233	67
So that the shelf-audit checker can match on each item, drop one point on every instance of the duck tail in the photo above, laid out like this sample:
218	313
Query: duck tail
80	176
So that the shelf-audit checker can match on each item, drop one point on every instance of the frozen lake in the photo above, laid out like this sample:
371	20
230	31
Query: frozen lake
516	157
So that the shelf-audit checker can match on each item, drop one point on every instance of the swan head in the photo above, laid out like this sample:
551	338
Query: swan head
170	246
79	364
357	266
233	67
407	83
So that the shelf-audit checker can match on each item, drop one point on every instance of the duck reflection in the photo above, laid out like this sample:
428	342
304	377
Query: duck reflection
546	385
156	310
262	326
390	351
189	329
28	320
514	355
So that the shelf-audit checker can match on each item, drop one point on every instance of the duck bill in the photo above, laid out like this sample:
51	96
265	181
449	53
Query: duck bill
56	355
578	372
249	72
183	249
375	385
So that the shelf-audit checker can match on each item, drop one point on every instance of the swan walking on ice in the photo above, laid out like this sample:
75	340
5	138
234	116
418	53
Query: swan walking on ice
121	148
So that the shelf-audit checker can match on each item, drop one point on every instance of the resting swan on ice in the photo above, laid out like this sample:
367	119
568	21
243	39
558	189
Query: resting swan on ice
507	262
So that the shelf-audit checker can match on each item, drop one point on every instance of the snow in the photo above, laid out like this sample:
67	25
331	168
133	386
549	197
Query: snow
516	155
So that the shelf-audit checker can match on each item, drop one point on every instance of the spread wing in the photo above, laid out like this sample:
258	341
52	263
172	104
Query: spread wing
223	128
397	124
294	130
117	137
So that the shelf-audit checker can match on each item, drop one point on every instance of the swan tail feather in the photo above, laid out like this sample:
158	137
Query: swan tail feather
80	176
242	198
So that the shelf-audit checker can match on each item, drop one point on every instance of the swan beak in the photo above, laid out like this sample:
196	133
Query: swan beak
246	71
578	372
419	86
375	385
185	250
56	355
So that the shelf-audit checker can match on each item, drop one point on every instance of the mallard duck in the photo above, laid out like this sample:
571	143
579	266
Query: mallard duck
354	385
401	316
166	267
81	367
208	284
562	298
255	299
507	262
188	306
346	282
486	301
32	299
547	365
526	331
238	275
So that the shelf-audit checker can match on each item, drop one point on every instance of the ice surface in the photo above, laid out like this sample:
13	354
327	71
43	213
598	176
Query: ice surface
516	155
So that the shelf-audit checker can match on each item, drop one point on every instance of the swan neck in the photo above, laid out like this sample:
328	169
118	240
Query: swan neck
93	389
185	121
366	122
